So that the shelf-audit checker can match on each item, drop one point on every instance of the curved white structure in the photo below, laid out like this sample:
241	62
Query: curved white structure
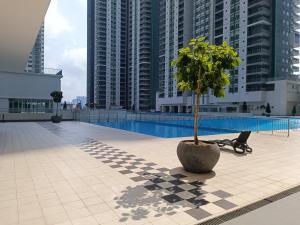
20	22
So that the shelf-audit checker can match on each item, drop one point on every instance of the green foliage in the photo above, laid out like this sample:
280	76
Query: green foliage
294	112
57	96
202	66
268	108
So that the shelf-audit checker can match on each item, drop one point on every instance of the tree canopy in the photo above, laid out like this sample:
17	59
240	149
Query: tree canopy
57	96
202	66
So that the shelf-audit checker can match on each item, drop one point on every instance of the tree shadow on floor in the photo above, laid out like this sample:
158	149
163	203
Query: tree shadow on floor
139	203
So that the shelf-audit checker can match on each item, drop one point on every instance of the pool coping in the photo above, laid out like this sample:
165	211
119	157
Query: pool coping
251	207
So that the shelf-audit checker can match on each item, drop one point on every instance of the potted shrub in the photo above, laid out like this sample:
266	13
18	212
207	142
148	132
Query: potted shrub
57	97
294	112
268	110
201	67
245	107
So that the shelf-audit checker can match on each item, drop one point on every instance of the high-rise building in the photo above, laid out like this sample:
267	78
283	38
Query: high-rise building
175	32
265	34
35	62
142	54
107	52
122	53
90	51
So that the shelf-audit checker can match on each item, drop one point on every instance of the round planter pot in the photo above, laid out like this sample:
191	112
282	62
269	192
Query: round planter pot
56	119
200	158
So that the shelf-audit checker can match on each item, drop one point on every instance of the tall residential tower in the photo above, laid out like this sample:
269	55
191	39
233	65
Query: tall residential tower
142	54
175	32
107	53
122	53
35	62
265	33
90	51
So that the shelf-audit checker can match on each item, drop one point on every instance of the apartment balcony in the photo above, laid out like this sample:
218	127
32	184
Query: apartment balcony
259	42
260	33
253	3
261	52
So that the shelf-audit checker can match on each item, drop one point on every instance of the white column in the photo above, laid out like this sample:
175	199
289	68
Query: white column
243	47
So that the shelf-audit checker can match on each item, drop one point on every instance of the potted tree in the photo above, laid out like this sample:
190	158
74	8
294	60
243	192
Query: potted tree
268	110
294	111
201	67
245	107
57	97
65	105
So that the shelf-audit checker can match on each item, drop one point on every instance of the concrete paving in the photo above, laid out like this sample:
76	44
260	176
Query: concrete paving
282	212
75	173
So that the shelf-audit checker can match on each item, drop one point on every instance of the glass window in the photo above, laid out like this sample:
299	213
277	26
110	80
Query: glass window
30	105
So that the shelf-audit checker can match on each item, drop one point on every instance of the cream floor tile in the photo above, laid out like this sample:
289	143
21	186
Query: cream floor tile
37	221
56	218
92	201
212	208
78	213
107	217
85	221
183	218
99	208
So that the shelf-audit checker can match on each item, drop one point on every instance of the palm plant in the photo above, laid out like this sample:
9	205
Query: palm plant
201	67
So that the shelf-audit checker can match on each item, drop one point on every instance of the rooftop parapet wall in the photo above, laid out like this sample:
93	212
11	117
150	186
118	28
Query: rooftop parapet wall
28	85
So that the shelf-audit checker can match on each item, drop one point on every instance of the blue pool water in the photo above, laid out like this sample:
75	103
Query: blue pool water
184	128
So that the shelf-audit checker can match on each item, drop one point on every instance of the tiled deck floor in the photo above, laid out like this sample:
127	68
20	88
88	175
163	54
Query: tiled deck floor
76	173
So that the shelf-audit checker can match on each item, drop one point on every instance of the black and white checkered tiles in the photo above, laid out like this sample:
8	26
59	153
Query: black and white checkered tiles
175	187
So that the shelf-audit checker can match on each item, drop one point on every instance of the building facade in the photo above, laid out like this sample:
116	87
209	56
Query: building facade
107	53
142	54
90	51
27	92
122	54
131	45
265	34
35	62
175	32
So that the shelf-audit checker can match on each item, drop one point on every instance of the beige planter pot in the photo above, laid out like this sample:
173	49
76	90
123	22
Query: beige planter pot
200	158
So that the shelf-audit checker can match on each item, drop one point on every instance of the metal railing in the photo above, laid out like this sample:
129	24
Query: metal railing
265	125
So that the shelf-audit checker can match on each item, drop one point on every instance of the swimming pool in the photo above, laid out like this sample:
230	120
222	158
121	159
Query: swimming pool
184	128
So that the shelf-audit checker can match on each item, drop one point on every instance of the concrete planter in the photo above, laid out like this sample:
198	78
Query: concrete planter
56	119
200	158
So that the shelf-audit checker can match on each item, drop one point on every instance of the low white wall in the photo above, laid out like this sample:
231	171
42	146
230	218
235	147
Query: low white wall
34	116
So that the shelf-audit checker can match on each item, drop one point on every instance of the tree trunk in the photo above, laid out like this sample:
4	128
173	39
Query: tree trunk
56	108
198	91
196	141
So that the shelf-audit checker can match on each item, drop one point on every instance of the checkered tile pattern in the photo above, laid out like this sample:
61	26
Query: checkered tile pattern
175	187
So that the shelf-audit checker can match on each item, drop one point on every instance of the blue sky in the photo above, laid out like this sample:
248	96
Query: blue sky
65	44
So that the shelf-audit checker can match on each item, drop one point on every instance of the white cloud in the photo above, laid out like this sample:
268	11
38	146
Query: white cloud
56	23
82	2
77	56
65	44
